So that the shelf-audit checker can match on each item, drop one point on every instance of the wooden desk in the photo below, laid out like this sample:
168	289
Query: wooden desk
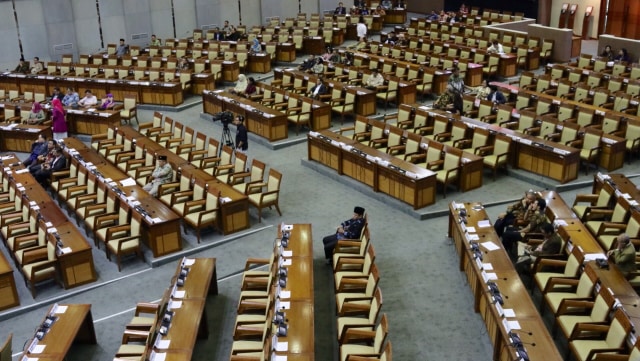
230	71
536	155
8	290
440	80
201	82
508	65
259	63
365	99
556	206
395	16
619	182
94	122
189	321
161	229
286	52
261	120
73	325
384	173
313	45
20	138
612	153
234	214
300	335
539	344
473	76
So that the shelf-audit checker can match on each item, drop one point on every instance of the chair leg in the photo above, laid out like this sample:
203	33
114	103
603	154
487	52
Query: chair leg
259	215
278	209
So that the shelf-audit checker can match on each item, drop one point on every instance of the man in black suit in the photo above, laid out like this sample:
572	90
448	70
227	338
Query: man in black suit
217	34
319	89
340	10
56	164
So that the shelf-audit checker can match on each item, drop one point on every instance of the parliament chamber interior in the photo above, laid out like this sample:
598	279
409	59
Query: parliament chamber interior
222	258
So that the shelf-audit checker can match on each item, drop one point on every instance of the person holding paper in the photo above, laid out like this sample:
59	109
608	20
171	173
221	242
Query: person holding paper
349	229
38	148
56	164
161	175
46	156
514	212
624	256
551	245
534	217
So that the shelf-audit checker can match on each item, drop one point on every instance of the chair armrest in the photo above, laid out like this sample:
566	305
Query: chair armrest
197	204
555	281
255	262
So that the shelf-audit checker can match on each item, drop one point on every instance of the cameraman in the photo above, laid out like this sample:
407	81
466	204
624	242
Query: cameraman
241	135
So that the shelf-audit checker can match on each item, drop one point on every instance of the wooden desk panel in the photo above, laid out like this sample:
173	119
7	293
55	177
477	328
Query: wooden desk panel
313	45
259	63
266	122
74	325
202	82
402	180
8	290
91	123
395	16
20	138
508	65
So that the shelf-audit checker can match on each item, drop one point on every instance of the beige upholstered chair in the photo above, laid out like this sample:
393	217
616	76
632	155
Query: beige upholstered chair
130	109
124	239
377	335
370	310
571	269
268	196
202	213
40	264
592	311
613	337
5	349
583	203
497	155
559	289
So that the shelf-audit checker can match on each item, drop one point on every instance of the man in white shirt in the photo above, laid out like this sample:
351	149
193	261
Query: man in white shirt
361	29
374	80
89	99
495	47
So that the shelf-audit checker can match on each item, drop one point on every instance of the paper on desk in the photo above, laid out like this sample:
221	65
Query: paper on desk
594	256
287	253
484	224
225	199
489	246
61	309
176	304
275	357
66	250
487	266
471	229
492	276
158	356
156	220
284	294
30	359
286	262
24	170
285	304
163	344
38	349
509	312
473	237
189	261
514	325
559	222
282	346
178	294
128	182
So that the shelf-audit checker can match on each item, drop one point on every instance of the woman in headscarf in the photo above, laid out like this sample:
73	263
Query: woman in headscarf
36	115
241	85
108	102
251	87
255	46
58	119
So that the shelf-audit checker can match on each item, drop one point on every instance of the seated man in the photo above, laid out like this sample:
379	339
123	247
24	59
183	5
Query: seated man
56	164
514	212
38	148
122	49
161	175
23	67
624	256
43	158
551	245
349	229
496	96
374	80
534	217
89	100
495	47
319	89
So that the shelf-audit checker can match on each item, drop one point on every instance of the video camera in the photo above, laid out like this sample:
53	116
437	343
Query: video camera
225	117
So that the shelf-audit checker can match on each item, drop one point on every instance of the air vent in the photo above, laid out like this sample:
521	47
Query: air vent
209	27
62	48
141	36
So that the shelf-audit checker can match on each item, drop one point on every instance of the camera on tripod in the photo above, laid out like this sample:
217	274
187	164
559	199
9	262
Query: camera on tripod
225	117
